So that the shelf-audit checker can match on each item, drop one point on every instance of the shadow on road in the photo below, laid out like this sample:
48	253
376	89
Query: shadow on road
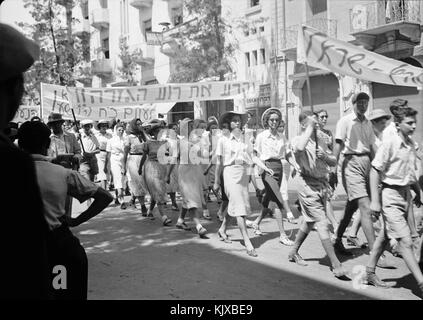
131	257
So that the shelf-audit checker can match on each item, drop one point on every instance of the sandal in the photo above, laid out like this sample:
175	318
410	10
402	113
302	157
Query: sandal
223	237
286	241
166	221
182	226
252	253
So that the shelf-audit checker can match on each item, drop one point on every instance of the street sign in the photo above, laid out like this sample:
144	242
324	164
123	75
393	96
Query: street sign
154	38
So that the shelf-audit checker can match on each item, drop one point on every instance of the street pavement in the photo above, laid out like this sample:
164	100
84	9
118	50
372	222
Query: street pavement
132	257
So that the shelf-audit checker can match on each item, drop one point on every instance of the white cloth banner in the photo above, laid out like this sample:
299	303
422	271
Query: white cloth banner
56	99
25	113
320	51
136	102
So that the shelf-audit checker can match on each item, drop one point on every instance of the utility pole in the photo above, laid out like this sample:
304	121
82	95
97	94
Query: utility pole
285	72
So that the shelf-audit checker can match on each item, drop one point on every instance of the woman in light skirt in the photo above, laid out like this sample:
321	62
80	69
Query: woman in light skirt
133	152
153	171
115	152
236	161
191	175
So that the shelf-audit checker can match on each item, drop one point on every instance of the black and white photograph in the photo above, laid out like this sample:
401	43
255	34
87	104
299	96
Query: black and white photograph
213	154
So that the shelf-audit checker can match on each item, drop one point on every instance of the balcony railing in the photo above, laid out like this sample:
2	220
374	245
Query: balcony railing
289	35
101	67
363	17
176	32
140	4
100	18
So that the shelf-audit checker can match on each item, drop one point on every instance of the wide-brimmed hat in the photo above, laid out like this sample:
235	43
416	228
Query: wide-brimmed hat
102	121
360	96
266	114
17	53
86	121
224	117
55	117
379	113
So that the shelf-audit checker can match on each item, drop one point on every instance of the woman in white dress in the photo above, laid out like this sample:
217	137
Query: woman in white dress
103	136
133	152
236	160
115	152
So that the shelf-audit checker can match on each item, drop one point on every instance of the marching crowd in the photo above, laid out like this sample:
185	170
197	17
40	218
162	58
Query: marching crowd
379	161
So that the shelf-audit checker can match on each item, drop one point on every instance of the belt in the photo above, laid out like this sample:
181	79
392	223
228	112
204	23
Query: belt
136	154
103	150
356	154
392	186
273	160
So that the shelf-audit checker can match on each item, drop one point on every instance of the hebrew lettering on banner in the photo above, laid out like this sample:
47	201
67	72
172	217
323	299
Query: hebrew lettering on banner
25	113
58	96
129	102
318	50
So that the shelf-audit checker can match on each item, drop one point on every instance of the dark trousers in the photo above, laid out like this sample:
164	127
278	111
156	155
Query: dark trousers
65	249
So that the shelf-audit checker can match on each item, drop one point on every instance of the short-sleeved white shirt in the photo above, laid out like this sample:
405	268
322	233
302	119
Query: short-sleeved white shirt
357	136
116	145
396	159
233	150
56	183
270	146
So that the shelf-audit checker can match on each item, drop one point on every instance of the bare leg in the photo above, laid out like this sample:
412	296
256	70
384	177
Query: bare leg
331	216
406	247
366	220
243	228
355	225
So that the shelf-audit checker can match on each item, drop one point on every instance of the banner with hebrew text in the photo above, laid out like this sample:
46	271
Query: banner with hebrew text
25	113
320	51
130	102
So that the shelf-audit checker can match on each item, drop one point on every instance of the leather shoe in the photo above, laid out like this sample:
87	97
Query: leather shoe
297	259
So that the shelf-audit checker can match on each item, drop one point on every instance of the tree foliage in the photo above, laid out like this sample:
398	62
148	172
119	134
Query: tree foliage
202	51
61	51
128	58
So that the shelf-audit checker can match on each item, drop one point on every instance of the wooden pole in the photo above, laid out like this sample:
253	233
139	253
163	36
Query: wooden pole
310	100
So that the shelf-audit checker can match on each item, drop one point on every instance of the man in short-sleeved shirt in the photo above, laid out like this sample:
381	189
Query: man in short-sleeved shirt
56	184
355	139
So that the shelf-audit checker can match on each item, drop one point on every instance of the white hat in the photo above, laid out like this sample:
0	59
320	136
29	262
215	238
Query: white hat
86	121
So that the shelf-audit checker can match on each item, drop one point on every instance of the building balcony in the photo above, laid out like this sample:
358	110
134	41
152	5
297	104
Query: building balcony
398	20
373	18
177	31
100	18
82	28
289	36
101	67
141	4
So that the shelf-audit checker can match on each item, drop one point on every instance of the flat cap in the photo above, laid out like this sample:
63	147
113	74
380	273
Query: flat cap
17	53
